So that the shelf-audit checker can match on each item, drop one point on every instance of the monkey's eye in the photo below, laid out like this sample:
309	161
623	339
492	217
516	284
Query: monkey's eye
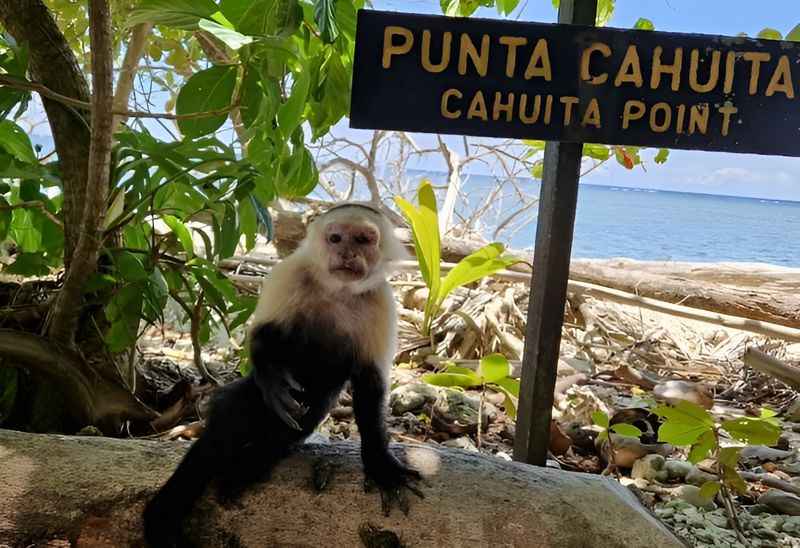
334	238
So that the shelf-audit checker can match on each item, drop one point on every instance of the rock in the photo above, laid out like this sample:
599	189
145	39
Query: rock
782	502
463	442
792	468
791	525
411	397
675	391
793	413
760	509
698	477
456	412
678	469
572	366
650	468
691	494
757	454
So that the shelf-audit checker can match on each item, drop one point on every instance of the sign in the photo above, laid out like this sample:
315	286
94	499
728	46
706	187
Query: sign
573	83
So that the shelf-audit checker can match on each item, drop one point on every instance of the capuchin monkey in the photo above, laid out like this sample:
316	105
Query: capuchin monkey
326	315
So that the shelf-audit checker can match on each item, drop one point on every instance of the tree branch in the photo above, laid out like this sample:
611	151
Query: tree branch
34	204
129	68
64	320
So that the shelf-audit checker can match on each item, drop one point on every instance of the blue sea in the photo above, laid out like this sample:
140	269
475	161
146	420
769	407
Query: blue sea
661	225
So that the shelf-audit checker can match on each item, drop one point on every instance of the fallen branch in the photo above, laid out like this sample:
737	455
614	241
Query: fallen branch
773	367
100	486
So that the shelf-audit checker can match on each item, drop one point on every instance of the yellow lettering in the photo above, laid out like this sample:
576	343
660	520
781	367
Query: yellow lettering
730	67
539	64
781	79
447	40
568	102
499	107
446	112
548	109
477	108
713	72
659	68
523	107
727	110
681	117
630	71
389	48
586	59
592	115
479	60
654	125
633	110
512	42
698	118
755	58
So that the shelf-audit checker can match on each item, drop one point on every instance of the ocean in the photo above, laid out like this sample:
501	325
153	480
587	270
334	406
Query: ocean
662	225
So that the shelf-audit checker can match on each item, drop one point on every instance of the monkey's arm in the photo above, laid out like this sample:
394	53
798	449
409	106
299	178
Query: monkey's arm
380	466
270	353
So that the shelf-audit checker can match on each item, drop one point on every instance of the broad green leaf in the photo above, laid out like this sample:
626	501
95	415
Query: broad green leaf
183	234
251	97
229	37
537	171
5	218
702	447
770	34
729	456
271	18
505	7
605	10
644	24
662	156
424	222
205	91
248	223
290	113
28	264
709	490
180	14
753	431
732	478
600	419
458	370
115	209
494	367
794	34
509	385
15	141
451	379
678	433
229	235
325	16
480	264
627	430
26	230
233	10
598	152
686	412
130	267
122	333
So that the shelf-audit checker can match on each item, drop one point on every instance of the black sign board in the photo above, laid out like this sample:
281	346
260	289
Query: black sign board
575	84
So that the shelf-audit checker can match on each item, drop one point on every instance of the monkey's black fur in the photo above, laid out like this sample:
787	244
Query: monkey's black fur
299	370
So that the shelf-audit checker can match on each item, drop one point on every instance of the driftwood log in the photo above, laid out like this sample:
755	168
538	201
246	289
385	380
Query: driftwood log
83	491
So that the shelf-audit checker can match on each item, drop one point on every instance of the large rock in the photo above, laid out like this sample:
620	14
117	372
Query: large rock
91	490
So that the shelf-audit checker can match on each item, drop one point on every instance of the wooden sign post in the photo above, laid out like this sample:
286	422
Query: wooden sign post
570	83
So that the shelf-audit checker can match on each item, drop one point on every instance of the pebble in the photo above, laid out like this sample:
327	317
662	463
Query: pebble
678	469
463	442
780	501
691	494
650	468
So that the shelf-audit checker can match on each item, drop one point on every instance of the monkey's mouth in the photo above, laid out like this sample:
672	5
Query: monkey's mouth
349	271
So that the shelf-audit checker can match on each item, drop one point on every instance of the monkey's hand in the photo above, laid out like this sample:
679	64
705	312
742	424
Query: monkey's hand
276	389
394	480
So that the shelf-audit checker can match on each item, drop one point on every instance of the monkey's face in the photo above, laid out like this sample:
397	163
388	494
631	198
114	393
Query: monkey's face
353	249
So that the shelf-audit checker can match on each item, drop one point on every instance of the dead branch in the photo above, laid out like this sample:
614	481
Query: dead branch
760	361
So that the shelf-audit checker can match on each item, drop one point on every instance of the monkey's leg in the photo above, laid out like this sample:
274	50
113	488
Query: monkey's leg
391	476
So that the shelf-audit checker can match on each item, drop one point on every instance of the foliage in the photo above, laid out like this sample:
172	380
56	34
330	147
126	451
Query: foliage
601	420
493	370
688	424
424	221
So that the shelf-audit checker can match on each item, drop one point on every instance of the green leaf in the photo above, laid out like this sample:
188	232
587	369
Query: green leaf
770	34
605	10
251	97
753	431
424	221
28	264
487	260
229	235
598	152
325	16
709	490
181	14
248	223
644	24
537	171
662	156
183	234
115	209
130	267
686	412
494	367
15	141
685	423
627	430
205	91
794	34
600	419
678	433
6	216
290	113
229	37
452	379
26	230
729	456
505	7
271	18
702	447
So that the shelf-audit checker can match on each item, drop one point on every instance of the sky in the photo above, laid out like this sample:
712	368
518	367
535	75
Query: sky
686	171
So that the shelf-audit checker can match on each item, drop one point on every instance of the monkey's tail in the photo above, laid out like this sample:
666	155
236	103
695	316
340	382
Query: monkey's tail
165	512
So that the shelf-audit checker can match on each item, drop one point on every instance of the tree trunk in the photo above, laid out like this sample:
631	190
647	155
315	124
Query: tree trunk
471	500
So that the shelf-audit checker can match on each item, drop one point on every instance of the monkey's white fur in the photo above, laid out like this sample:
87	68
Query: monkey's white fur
301	287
